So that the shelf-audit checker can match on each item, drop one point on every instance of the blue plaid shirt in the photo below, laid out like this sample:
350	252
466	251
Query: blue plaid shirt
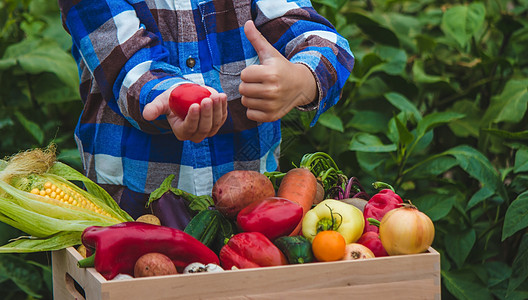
129	52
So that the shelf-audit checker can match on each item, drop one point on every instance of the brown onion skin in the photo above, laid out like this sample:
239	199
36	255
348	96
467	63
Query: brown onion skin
355	251
406	230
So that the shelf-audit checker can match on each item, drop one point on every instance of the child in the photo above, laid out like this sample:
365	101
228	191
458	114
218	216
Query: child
259	58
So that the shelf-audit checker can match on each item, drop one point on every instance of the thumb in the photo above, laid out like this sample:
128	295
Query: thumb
264	49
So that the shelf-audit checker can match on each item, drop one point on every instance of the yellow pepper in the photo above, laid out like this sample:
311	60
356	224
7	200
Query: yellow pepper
335	215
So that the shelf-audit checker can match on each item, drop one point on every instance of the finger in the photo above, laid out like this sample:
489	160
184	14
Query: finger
218	115
154	109
257	104
264	49
253	74
258	90
260	116
206	117
190	125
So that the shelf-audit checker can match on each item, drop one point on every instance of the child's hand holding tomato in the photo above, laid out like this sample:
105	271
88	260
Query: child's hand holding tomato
202	120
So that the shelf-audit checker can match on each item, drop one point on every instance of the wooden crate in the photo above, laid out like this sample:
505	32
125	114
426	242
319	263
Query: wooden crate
396	277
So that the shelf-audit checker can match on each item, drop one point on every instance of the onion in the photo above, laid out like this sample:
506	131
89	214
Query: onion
406	230
354	251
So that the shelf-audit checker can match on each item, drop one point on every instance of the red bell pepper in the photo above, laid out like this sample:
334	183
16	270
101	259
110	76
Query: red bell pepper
371	240
250	250
273	216
118	247
379	204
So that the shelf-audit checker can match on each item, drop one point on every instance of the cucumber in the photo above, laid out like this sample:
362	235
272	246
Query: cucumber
204	226
297	249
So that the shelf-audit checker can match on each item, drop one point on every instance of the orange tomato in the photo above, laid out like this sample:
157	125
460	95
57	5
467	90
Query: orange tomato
328	245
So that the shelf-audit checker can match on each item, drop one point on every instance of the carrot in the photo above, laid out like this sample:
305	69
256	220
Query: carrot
299	185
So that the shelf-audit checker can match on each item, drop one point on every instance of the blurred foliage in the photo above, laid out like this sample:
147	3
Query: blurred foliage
436	106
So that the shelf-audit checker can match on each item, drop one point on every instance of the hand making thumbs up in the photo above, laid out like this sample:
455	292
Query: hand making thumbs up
270	90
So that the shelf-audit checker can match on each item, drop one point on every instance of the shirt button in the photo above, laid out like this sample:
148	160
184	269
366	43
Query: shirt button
190	62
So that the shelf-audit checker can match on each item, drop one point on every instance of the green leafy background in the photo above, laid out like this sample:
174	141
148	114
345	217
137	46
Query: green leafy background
436	106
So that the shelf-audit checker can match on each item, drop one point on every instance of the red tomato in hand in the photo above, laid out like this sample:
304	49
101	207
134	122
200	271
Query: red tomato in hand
183	96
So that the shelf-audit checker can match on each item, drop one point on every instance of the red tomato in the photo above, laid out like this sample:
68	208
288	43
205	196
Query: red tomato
183	96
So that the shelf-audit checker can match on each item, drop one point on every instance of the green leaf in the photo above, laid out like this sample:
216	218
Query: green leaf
465	285
370	160
331	121
521	135
436	119
461	22
403	104
366	142
460	245
431	167
335	4
481	195
470	124
405	136
23	274
58	241
33	128
369	121
395	60
7	63
425	43
421	76
510	105
375	30
521	161
52	90
47	274
479	167
498	272
36	56
519	267
436	205
516	217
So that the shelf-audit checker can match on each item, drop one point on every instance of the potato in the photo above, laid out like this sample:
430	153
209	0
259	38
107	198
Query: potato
149	218
236	189
154	264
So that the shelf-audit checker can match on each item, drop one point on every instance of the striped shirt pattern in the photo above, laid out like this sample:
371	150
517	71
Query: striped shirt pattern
129	52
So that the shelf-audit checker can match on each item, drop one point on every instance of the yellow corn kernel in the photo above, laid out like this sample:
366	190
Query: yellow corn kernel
67	195
35	191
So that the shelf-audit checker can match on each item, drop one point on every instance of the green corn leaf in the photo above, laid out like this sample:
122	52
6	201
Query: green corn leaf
58	241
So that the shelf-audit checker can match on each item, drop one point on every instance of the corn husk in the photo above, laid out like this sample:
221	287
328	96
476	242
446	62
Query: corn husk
50	224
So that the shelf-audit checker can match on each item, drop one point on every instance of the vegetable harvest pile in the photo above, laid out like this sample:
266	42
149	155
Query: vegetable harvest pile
311	213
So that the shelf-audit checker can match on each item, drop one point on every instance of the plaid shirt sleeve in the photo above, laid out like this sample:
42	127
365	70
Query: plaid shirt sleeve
120	44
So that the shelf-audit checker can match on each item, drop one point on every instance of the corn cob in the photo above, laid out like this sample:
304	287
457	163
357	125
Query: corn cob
67	195
39	197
